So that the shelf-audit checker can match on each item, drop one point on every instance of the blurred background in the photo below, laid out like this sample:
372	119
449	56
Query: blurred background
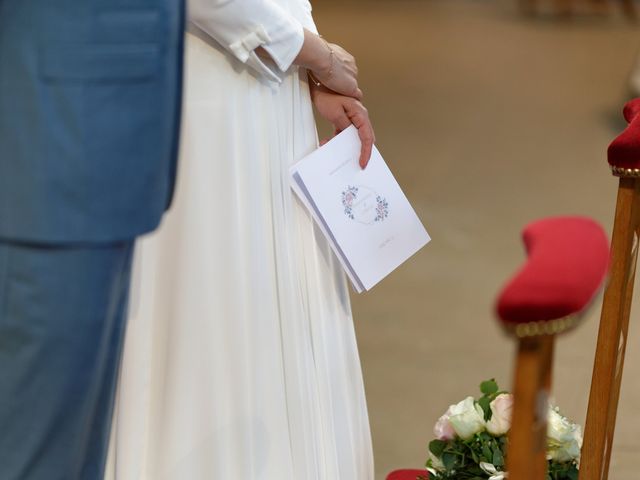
490	117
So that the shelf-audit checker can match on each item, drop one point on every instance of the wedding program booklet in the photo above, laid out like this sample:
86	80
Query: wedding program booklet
364	214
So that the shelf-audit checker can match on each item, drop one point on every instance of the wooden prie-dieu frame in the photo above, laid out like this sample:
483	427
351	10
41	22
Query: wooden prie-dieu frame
566	266
624	159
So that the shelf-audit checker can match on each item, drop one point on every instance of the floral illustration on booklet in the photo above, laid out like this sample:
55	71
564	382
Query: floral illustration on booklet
363	205
471	440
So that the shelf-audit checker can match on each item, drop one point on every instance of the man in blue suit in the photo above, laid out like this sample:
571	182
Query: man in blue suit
89	119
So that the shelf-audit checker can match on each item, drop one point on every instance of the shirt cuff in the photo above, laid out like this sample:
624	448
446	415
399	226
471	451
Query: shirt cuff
283	49
285	45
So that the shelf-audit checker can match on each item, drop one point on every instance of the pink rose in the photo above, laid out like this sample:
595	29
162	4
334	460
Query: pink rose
501	408
443	430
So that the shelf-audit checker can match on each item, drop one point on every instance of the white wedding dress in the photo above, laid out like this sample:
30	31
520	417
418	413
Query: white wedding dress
240	357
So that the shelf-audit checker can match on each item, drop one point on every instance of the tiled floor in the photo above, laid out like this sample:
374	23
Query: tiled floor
488	120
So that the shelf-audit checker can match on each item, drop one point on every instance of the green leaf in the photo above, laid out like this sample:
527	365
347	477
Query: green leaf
489	387
498	458
475	457
487	454
449	460
485	404
437	447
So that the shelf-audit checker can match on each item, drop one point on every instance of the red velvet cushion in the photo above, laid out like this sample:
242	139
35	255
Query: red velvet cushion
407	474
567	262
624	151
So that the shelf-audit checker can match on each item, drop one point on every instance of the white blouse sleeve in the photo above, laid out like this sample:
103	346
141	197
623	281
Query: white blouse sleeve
241	26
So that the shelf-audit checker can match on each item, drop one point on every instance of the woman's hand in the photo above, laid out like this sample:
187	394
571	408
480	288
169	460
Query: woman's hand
342	111
330	65
341	75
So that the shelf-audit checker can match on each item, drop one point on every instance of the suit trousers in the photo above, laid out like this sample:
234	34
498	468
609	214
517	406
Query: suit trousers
62	318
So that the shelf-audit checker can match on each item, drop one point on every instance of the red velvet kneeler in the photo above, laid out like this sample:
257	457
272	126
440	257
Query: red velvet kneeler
567	261
408	474
623	153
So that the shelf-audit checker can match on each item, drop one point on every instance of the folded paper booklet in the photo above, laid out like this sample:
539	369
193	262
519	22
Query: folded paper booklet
367	219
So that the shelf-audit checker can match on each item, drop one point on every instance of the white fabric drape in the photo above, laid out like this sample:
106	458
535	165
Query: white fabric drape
240	358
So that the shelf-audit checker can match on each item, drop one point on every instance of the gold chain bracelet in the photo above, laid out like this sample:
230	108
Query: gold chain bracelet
313	78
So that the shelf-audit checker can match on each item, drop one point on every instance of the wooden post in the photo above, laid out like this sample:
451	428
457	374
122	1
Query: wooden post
548	347
612	335
526	456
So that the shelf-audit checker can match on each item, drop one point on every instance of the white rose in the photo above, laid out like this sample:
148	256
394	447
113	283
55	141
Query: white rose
467	418
494	473
443	430
564	438
501	408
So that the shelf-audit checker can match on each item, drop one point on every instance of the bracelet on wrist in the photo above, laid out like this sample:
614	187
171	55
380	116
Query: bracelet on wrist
331	56
312	77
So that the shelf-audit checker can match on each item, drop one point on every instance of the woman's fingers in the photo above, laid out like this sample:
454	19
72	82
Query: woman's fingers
343	112
359	116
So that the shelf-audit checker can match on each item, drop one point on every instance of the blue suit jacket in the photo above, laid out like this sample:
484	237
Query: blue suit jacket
89	117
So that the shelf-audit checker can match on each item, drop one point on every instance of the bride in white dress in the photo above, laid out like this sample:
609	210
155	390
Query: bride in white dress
240	358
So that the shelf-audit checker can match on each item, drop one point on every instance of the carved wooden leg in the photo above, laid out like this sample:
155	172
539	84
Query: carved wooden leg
612	335
548	347
526	457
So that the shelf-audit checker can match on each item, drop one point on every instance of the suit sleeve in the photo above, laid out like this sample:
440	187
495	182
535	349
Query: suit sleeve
241	26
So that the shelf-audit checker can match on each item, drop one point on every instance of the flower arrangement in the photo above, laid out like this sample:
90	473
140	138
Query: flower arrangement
471	440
